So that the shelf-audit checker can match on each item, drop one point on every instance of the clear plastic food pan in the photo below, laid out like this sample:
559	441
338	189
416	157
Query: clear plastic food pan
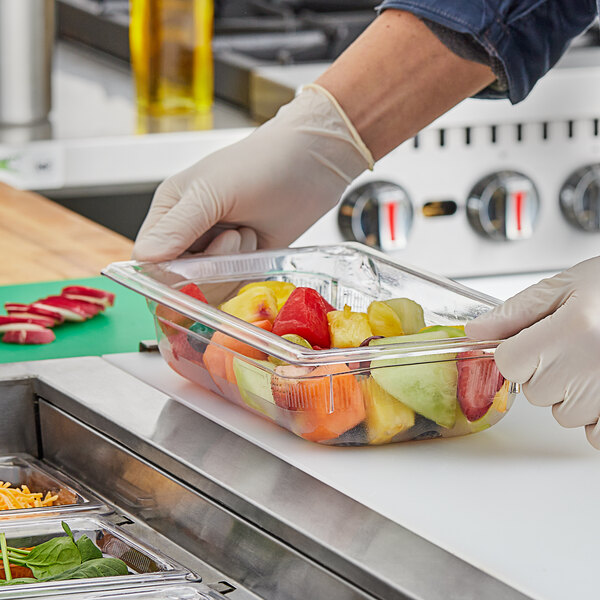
24	470
426	380
146	565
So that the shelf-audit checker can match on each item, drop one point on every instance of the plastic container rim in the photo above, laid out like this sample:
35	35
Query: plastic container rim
127	273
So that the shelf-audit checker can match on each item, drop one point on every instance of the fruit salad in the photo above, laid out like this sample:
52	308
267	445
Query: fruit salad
383	400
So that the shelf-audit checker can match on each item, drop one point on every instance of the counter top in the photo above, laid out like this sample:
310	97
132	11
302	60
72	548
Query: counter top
42	241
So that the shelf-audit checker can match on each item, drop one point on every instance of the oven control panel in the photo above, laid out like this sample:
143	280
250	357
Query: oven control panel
503	206
489	188
378	214
580	198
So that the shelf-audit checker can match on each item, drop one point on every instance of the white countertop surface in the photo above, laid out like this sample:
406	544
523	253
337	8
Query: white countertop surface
519	501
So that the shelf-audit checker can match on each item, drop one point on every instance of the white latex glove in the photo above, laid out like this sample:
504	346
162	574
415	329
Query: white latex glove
553	345
278	181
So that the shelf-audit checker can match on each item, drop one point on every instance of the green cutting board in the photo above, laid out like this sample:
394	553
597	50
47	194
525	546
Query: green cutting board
119	328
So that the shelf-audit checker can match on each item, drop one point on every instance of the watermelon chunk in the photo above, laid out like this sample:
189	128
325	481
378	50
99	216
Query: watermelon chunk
191	289
305	314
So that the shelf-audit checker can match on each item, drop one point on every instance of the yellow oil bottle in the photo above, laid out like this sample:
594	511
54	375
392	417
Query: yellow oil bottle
171	55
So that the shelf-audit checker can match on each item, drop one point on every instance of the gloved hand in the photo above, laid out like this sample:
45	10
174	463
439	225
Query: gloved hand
553	345
278	181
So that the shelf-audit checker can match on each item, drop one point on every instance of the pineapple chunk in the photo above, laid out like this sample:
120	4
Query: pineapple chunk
281	289
256	304
386	416
348	329
383	320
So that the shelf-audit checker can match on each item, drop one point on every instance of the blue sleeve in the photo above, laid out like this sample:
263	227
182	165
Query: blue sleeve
526	36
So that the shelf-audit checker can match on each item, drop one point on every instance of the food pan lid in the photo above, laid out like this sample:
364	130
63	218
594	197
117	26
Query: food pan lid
156	282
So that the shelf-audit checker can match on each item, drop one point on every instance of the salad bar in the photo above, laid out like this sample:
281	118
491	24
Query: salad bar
58	539
180	499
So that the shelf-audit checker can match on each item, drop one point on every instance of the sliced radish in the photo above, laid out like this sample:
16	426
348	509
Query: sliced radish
89	308
16	307
13	307
88	294
26	318
67	314
68	307
20	326
28	333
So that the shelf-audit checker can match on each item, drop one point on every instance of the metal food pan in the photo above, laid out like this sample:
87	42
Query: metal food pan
175	591
22	469
147	566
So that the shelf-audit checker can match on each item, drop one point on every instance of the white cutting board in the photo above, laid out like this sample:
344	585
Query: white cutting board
520	501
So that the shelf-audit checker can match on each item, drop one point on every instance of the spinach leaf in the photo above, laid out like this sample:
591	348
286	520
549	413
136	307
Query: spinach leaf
87	549
67	530
97	567
17	580
53	557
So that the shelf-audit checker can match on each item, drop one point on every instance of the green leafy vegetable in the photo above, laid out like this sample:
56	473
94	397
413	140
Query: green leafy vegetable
52	557
97	567
5	562
60	559
67	530
18	580
87	549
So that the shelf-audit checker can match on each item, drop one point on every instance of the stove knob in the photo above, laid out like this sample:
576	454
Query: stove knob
504	206
378	214
580	198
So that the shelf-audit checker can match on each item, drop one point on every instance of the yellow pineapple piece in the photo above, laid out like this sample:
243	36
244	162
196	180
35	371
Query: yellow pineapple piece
255	304
281	289
386	416
500	402
383	320
348	329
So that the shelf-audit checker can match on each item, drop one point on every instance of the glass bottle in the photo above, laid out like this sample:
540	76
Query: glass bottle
171	55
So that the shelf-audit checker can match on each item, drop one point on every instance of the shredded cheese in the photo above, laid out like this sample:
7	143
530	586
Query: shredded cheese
13	498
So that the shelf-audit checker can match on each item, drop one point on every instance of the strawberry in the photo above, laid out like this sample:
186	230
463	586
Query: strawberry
478	382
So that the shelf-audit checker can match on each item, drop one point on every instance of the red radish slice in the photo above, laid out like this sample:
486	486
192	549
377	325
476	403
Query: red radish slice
80	292
29	334
60	303
67	314
13	307
26	318
48	321
97	301
20	326
16	307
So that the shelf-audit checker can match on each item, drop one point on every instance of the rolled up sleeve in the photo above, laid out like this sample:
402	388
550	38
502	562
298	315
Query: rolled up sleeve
525	37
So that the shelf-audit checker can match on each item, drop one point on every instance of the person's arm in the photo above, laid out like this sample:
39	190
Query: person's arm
278	181
397	78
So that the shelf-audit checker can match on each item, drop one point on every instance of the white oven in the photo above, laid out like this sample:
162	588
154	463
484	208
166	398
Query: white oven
489	188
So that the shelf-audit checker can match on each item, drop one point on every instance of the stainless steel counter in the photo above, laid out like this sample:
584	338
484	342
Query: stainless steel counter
269	527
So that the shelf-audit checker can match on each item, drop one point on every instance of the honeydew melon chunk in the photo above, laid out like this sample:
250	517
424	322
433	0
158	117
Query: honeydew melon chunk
254	385
429	388
453	331
410	313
